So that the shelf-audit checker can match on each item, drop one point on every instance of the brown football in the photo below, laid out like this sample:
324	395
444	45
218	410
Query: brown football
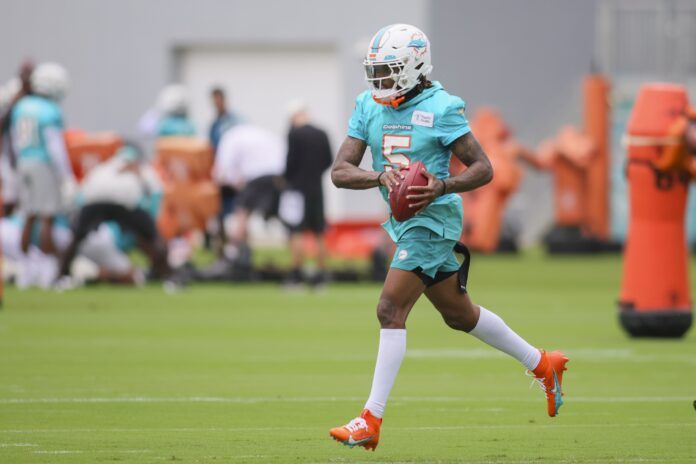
398	202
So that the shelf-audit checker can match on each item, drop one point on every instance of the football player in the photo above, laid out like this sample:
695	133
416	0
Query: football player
172	104
45	175
404	118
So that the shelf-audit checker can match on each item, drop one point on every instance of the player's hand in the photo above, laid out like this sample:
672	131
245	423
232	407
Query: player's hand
422	196
392	179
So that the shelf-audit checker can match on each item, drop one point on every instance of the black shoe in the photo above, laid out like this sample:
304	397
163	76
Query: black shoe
294	278
319	280
175	282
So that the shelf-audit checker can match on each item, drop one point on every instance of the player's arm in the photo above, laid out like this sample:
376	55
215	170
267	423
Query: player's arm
478	172
55	145
346	172
478	167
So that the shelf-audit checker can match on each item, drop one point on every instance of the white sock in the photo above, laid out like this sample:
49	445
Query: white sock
492	329
48	271
392	348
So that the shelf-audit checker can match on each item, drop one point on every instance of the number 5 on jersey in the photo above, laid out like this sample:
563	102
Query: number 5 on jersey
390	142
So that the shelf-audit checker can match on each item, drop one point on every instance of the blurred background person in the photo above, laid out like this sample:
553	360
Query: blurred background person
10	94
102	256
26	268
302	201
8	162
251	160
169	115
224	120
173	107
45	174
125	191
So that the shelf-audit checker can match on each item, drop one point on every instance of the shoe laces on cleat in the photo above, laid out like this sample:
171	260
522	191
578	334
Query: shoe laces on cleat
356	424
540	381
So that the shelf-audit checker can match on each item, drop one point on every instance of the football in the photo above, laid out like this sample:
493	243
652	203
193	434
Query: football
398	202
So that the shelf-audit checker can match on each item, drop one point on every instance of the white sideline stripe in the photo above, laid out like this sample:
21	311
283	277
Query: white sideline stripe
127	451
609	460
18	445
336	399
294	428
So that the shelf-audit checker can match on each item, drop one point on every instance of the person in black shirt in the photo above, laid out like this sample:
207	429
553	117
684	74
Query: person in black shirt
224	119
302	202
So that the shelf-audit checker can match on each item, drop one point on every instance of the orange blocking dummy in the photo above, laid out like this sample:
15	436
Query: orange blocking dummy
484	207
183	159
579	162
190	197
187	207
655	296
88	150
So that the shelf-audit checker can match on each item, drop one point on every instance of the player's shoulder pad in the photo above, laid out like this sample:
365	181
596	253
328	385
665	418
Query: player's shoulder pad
449	104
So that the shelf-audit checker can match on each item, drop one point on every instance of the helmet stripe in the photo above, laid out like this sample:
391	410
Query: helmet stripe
378	39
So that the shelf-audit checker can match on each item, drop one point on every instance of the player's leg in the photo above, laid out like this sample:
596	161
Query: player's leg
26	232
46	194
401	291
241	224
46	243
110	263
89	217
297	255
318	226
140	223
460	313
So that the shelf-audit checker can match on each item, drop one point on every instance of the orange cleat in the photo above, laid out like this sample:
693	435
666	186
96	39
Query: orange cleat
361	431
549	375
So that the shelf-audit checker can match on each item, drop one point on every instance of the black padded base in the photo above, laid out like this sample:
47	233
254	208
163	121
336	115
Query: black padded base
659	324
571	240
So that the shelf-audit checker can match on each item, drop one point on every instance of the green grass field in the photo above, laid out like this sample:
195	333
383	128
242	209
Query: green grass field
254	374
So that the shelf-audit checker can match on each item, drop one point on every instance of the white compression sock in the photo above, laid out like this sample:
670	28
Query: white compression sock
392	348
492	329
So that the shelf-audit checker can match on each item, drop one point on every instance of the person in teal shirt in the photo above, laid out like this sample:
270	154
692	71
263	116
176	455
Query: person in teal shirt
43	167
403	118
172	104
176	124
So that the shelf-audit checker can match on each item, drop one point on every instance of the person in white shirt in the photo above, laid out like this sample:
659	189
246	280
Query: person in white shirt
251	160
118	190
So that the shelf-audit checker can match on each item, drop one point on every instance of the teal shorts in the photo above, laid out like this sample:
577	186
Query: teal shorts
421	249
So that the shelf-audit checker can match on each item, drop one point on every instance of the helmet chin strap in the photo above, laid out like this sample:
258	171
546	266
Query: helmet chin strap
394	102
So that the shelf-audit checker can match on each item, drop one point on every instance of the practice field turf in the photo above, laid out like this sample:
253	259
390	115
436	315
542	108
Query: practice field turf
255	374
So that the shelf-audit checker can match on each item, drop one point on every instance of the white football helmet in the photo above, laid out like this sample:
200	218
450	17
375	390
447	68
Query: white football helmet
173	100
396	59
50	80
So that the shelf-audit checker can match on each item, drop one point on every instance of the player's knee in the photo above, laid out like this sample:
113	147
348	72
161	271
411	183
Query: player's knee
456	322
462	318
390	315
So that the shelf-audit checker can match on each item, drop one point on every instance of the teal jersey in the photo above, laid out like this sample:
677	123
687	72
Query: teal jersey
31	116
421	129
175	125
124	241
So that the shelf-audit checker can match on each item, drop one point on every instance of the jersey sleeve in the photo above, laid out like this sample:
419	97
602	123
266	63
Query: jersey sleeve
53	117
452	123
356	125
